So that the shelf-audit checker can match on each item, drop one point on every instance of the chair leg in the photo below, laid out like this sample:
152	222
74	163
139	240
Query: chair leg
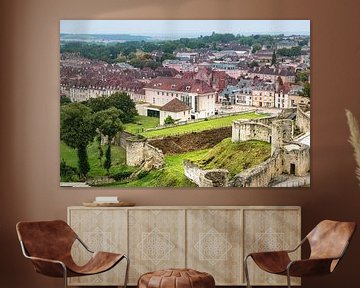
126	271
65	277
246	270
288	278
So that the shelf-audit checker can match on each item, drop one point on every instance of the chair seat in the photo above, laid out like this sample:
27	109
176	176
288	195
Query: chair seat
99	262
272	262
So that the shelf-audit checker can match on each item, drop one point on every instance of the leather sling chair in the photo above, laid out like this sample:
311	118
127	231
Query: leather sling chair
328	242
48	245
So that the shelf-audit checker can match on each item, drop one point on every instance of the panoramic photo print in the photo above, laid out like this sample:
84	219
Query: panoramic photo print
185	103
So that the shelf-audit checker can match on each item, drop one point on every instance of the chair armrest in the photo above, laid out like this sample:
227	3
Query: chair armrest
48	267
309	267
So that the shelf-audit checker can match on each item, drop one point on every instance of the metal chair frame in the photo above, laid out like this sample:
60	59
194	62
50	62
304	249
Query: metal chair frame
288	276
26	255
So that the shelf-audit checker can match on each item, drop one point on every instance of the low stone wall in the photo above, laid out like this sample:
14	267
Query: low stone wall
238	126
139	150
254	131
205	178
302	120
157	156
261	175
120	138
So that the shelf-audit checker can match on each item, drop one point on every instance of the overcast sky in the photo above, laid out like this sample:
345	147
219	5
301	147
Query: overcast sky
185	27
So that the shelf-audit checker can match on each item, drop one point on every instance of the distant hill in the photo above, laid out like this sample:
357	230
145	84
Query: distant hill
102	37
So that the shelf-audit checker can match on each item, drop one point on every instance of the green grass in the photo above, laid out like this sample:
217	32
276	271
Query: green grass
141	123
172	175
118	159
235	157
199	126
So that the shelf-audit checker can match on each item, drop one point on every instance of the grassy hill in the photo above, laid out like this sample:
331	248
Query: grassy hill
200	125
235	157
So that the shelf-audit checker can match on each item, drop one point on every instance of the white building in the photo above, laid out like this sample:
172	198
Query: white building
176	109
197	94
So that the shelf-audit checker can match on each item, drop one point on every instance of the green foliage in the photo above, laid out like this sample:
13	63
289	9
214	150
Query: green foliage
84	166
108	122
302	76
200	125
256	47
118	159
123	174
107	163
291	52
253	64
124	52
141	123
235	157
68	173
64	100
77	130
76	125
306	90
169	120
123	102
100	150
119	100
273	58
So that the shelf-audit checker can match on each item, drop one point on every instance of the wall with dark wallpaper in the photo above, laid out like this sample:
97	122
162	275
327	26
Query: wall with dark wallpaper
29	119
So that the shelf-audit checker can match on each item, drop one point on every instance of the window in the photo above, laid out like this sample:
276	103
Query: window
153	100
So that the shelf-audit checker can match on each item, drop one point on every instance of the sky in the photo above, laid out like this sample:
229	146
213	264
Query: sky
185	27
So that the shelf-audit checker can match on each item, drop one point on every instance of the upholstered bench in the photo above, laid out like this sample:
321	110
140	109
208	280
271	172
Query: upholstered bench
176	278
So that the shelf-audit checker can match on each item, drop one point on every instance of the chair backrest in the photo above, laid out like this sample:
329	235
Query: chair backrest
46	239
329	239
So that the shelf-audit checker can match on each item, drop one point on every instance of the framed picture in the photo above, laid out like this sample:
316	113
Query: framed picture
185	103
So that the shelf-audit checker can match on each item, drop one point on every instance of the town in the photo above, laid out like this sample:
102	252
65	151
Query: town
187	81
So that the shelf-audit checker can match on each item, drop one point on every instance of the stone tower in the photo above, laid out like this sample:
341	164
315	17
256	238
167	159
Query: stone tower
281	133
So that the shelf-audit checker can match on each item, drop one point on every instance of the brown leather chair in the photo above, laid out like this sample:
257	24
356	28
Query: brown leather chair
48	245
328	242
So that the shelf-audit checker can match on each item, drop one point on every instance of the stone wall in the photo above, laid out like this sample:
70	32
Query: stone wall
139	151
297	155
238	125
135	151
155	154
261	175
205	178
282	132
302	119
254	131
120	138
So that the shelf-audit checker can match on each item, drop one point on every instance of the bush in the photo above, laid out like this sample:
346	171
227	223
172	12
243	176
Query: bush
121	175
143	174
68	173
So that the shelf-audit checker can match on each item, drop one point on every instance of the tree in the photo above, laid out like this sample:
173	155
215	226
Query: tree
123	102
291	52
256	47
306	90
77	131
273	59
108	124
253	64
169	120
302	76
64	100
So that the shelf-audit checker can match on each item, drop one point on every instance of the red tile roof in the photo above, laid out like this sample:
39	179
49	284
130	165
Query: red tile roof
180	85
175	105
